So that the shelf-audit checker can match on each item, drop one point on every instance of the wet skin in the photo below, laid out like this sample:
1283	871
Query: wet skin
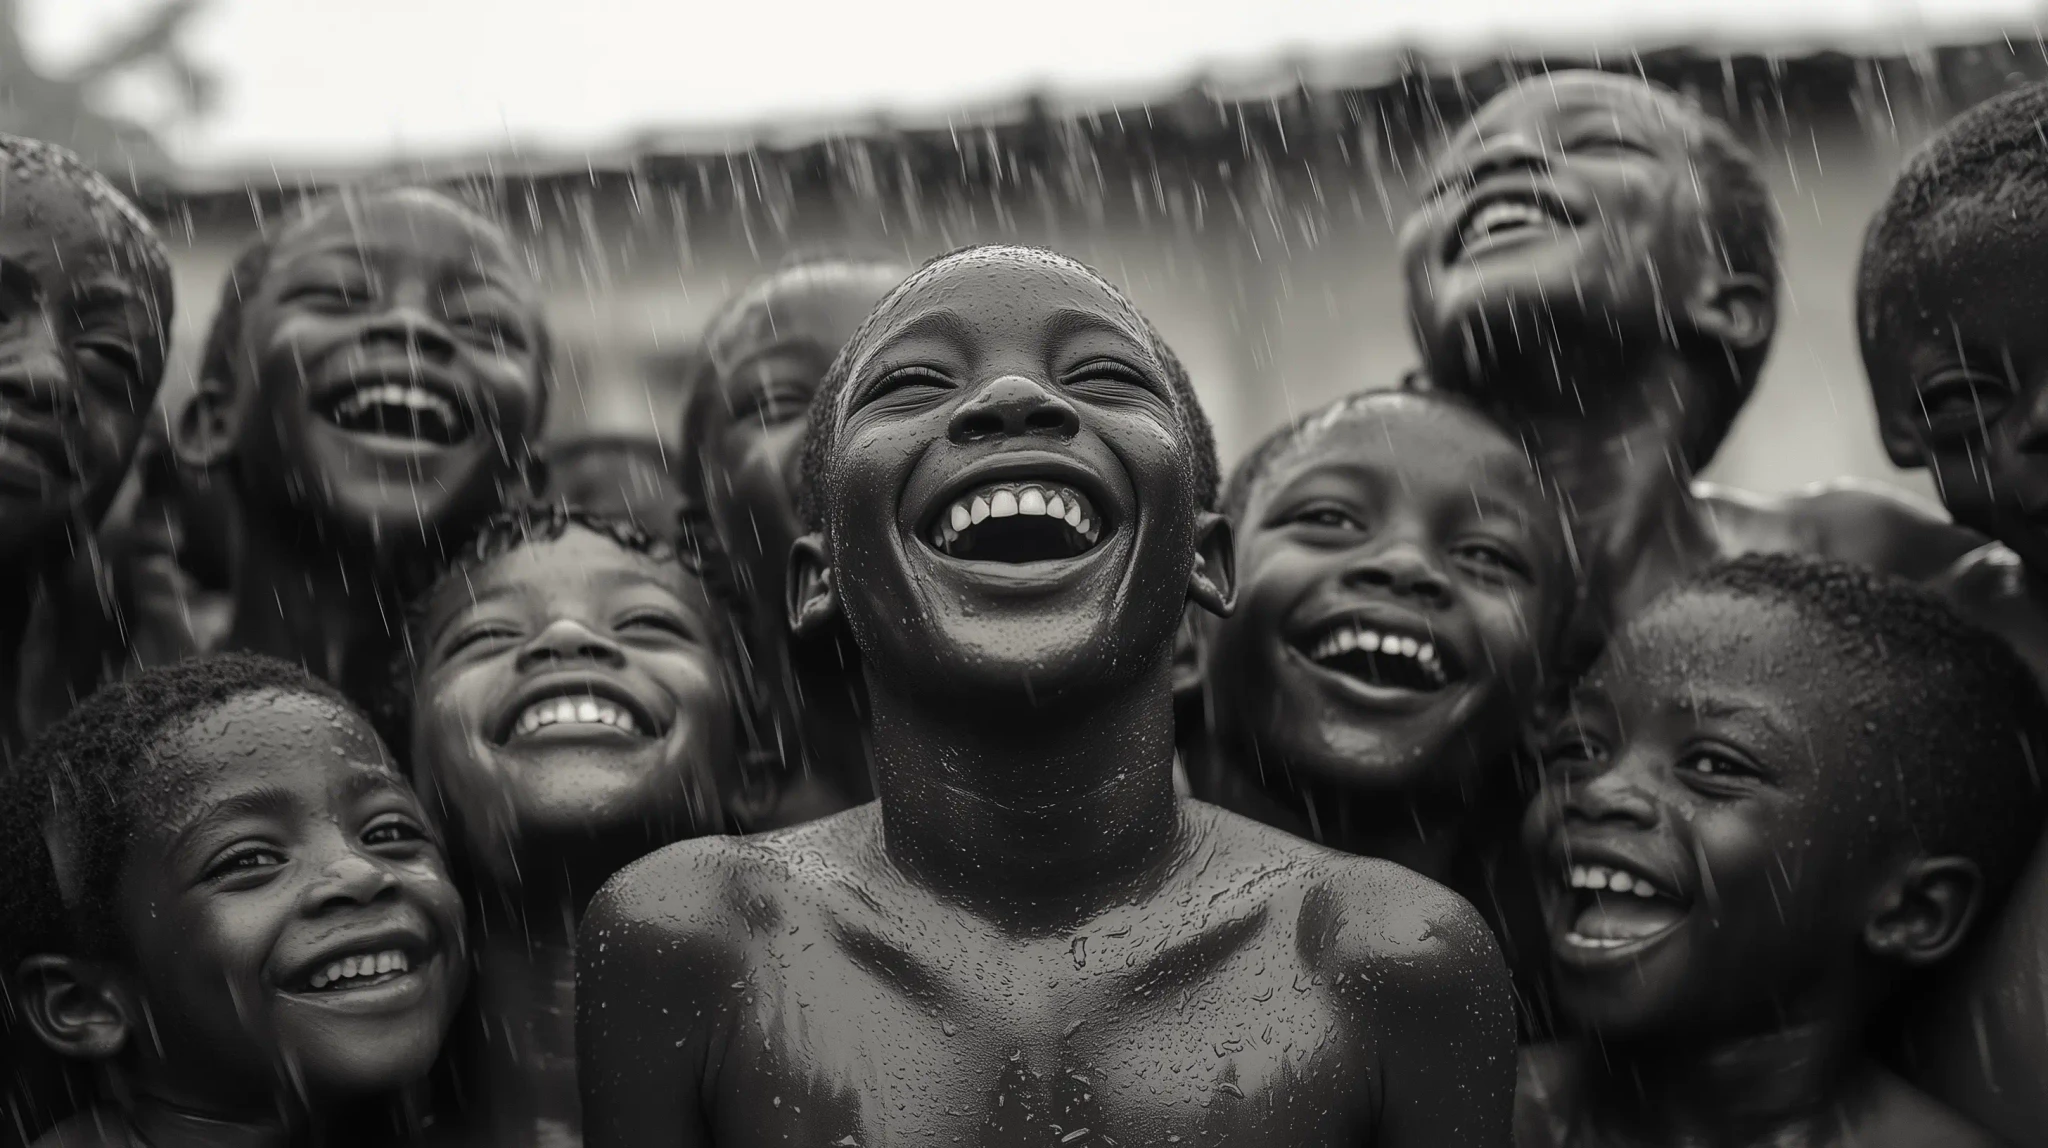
1595	321
1716	754
288	843
1961	388
1028	939
81	353
767	358
577	620
407	292
1413	520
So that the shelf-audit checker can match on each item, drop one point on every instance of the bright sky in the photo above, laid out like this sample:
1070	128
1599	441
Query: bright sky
317	81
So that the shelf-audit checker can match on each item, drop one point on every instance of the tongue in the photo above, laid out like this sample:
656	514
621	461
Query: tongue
1626	919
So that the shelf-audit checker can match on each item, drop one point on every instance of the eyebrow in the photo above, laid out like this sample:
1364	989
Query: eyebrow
266	801
1715	707
938	323
1070	321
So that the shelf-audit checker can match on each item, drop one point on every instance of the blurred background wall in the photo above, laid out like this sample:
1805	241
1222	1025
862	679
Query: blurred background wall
1253	219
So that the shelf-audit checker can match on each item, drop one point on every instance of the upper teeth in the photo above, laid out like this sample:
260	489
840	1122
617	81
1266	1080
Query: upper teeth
1613	880
1347	638
395	394
366	965
554	711
1008	500
1504	214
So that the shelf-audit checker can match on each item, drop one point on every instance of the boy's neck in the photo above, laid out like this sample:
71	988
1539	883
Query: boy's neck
300	598
161	1125
21	582
1041	817
819	726
524	1046
1787	1086
1620	469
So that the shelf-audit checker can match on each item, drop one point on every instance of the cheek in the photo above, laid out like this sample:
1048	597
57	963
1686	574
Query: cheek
512	384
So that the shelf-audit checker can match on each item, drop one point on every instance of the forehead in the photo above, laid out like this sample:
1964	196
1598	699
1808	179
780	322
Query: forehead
407	227
49	218
265	739
1699	642
821	306
1428	446
581	561
1979	268
1004	293
1551	103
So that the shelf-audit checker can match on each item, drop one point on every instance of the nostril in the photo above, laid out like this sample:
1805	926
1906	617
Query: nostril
980	424
1048	418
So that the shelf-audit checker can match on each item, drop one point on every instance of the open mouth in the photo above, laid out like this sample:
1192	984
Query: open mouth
1503	217
579	711
1614	910
398	408
1381	655
360	971
1017	522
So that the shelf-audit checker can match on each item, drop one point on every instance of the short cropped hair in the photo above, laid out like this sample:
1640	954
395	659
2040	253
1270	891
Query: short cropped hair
97	774
1307	428
1960	721
499	535
29	160
824	429
1986	171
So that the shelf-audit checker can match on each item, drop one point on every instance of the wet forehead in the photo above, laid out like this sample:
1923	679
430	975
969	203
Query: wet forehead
1421	446
50	219
407	227
822	306
265	739
1694	647
1004	292
580	562
1546	105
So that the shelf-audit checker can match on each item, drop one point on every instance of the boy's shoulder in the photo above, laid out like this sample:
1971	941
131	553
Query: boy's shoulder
1353	916
1847	519
1895	1114
704	891
1992	587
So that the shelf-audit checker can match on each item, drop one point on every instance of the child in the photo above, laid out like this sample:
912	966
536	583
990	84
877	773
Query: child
1402	586
221	893
765	353
372	388
1946	304
569	714
88	303
1029	937
1789	785
1596	263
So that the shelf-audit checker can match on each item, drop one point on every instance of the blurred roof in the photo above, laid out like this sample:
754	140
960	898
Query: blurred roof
308	90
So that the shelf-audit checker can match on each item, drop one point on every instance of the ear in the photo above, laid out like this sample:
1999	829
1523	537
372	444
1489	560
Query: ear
1187	659
1925	911
813	602
80	1009
1738	310
1214	584
1900	443
206	425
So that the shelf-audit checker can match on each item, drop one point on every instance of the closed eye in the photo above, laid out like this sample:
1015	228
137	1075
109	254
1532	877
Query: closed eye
1491	561
1107	371
480	636
909	384
663	624
1608	143
326	296
1961	403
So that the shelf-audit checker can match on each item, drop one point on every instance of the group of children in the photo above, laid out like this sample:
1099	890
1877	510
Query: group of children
1547	796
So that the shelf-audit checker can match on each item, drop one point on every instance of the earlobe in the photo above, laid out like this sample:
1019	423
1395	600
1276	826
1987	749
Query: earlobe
1213	586
205	426
1738	310
1925	912
813	603
78	1008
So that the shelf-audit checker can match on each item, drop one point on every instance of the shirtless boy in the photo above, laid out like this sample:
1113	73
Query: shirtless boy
85	312
1789	787
765	353
1949	299
1595	261
371	389
1028	938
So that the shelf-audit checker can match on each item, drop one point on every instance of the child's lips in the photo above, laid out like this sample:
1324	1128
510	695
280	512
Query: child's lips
389	971
1610	909
576	709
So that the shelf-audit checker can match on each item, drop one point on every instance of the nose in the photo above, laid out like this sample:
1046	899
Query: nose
1612	796
408	325
566	641
350	880
1507	154
1402	568
33	373
1013	406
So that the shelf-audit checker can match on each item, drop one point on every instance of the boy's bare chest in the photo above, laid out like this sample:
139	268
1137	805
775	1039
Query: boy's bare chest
1116	1035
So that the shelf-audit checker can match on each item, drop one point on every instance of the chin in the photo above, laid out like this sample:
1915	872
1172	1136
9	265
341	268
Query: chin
352	1067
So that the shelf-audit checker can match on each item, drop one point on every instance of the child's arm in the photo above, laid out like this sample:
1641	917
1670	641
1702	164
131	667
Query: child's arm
1433	994
651	958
